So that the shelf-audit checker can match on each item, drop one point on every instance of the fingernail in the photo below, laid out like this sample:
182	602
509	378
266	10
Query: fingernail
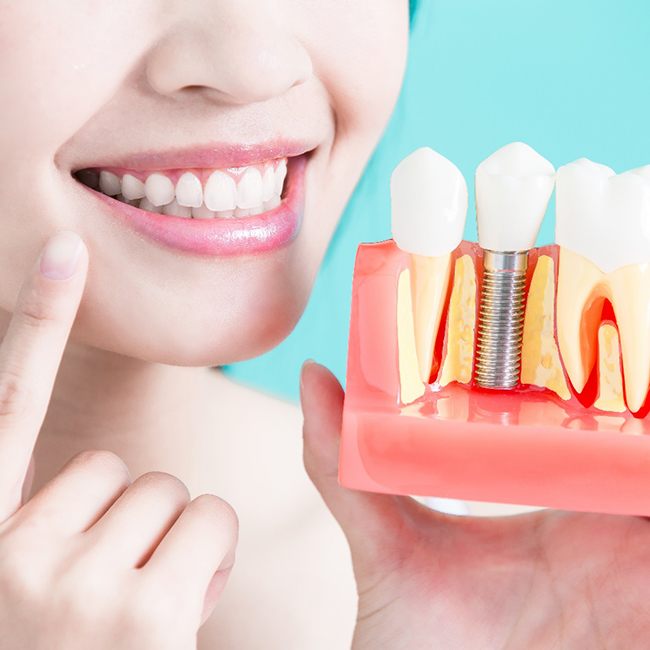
307	362
61	254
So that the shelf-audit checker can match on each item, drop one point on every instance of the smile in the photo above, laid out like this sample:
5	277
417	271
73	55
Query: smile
232	201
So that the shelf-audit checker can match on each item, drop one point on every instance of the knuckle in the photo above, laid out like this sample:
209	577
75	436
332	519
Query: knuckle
216	511
14	394
36	311
165	483
104	462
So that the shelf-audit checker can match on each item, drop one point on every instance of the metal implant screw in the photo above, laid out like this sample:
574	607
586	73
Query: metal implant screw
501	319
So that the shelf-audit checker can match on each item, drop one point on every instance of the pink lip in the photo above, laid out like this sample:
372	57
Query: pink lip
260	233
214	156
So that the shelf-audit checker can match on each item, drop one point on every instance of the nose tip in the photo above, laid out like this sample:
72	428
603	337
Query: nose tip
237	68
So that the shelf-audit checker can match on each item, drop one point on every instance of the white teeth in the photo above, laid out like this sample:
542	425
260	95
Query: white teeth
189	191
109	183
249	189
603	216
428	203
225	214
268	183
272	203
242	212
280	175
159	189
202	213
220	192
173	209
146	204
132	187
513	187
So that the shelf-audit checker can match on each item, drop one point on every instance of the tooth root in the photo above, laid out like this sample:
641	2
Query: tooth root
630	295
411	386
579	310
461	325
540	357
610	380
189	191
429	282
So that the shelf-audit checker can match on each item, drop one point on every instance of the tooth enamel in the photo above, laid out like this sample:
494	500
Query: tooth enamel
280	175
259	209
242	212
173	209
159	189
132	188
109	183
272	203
249	189
203	213
429	206
513	187
268	183
603	230
225	214
189	191
220	192
146	204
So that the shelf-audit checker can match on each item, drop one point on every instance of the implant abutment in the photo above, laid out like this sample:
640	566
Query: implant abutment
501	319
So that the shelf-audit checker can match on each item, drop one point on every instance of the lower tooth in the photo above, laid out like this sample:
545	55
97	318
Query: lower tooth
202	212
242	212
273	202
146	204
256	210
225	214
173	209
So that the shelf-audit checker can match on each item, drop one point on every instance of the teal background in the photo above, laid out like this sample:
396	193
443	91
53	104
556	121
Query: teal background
569	77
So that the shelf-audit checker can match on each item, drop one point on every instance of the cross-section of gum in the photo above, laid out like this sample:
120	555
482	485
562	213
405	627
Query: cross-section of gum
526	446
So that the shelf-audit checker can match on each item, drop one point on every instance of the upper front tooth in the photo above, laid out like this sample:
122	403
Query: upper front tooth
280	175
220	192
249	189
268	183
159	189
132	187
513	187
429	207
189	191
109	183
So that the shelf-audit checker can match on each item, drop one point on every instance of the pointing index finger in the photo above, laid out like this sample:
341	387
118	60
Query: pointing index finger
31	352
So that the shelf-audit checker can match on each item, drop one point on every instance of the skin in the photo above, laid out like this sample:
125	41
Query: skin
134	379
546	579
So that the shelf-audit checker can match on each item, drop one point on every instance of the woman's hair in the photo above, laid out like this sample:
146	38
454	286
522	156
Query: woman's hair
323	329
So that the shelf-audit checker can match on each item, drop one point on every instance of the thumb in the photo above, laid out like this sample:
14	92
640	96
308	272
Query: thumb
374	524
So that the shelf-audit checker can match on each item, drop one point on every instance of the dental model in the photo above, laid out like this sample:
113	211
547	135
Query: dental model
429	207
437	324
513	187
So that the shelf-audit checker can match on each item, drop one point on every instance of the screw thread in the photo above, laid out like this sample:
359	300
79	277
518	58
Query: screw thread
501	319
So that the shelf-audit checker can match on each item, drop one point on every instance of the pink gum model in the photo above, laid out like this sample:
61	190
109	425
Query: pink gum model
523	447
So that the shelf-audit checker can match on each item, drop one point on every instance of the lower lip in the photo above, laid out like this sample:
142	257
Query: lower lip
264	232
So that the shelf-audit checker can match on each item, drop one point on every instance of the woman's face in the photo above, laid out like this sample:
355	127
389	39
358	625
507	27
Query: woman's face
157	90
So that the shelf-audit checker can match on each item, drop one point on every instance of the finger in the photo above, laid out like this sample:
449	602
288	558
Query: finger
31	352
138	520
375	525
78	495
197	554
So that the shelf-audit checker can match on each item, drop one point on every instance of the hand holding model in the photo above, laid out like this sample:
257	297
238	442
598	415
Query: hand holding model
429	580
92	560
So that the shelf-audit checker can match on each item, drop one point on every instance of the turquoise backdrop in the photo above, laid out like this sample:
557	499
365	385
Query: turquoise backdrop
569	77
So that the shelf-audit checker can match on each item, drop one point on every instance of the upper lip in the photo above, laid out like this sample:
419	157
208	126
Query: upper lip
218	155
